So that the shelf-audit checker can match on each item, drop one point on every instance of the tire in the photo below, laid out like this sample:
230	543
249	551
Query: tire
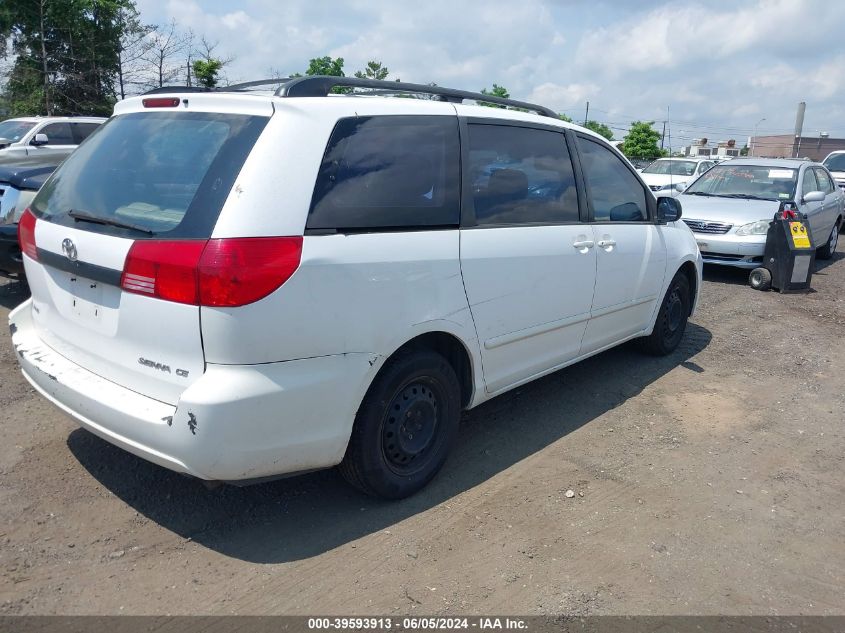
827	251
760	279
671	319
386	457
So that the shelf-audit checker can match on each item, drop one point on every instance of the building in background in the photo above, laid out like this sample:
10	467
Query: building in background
789	146
701	148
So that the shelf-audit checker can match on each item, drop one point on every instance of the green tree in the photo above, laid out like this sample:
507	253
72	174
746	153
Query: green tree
374	70
565	118
66	54
206	70
600	128
326	66
495	91
641	141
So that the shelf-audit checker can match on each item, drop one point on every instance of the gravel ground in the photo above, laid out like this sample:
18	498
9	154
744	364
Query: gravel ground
708	482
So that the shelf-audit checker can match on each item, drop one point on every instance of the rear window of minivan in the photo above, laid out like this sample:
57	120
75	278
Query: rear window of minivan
166	173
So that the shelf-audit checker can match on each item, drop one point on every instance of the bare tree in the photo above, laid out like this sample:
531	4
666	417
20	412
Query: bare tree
167	45
135	46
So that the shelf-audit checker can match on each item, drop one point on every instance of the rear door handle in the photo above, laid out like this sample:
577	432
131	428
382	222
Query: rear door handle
583	244
607	243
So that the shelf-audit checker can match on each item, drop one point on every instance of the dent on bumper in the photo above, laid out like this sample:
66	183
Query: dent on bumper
233	423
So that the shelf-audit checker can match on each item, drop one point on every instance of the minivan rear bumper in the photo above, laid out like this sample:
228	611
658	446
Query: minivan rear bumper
236	422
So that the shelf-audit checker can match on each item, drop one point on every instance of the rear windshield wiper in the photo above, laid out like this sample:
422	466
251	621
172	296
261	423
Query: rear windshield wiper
81	216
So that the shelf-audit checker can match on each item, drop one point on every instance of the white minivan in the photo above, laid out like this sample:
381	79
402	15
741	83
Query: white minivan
238	285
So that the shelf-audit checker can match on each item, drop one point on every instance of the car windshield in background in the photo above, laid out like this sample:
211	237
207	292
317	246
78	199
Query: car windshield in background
157	172
747	181
671	167
833	163
15	130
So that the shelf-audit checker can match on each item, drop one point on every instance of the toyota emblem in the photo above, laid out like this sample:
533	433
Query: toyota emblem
69	249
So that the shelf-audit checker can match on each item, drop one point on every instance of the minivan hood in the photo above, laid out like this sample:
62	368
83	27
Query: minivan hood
734	211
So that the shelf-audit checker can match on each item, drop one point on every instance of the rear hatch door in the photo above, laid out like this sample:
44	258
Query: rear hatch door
153	175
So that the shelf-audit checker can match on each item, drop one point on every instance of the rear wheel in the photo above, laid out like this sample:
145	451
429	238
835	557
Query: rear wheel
827	251
405	427
671	319
760	279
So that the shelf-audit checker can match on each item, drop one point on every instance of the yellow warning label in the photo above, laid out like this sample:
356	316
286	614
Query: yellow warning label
799	235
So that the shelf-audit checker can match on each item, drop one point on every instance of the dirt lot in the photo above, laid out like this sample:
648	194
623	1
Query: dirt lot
711	481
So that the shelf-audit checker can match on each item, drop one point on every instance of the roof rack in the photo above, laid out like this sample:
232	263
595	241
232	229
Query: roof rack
166	89
322	85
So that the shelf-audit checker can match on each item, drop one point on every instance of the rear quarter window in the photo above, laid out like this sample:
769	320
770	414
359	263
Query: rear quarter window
388	173
168	173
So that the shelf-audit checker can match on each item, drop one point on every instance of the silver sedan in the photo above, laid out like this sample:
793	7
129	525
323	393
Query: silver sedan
729	208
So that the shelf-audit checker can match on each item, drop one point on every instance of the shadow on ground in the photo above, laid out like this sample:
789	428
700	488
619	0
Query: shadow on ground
300	517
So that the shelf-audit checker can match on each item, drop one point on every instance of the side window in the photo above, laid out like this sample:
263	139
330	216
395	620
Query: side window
704	167
521	175
81	131
616	193
824	181
808	182
58	134
389	172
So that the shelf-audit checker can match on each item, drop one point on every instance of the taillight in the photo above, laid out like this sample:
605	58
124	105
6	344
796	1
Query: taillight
237	271
216	273
26	234
163	269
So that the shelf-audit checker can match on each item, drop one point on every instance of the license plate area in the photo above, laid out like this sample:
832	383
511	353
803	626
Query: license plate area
702	246
85	297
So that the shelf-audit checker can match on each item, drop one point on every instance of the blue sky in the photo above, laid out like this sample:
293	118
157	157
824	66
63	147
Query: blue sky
718	66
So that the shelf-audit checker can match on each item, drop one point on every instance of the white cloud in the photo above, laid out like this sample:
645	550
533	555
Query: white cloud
564	97
718	63
679	35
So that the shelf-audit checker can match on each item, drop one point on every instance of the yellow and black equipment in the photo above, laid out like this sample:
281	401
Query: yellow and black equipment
789	255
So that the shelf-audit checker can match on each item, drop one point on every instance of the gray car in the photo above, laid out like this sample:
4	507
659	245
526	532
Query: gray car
729	207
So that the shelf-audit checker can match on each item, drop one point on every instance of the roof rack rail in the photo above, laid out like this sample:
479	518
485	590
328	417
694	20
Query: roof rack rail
166	89
252	84
322	85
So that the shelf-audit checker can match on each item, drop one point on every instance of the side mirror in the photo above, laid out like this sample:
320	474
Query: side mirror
681	186
40	139
668	209
814	196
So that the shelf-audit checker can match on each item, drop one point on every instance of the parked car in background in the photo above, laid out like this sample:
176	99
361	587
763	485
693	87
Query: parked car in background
835	163
20	179
669	175
425	257
43	136
730	207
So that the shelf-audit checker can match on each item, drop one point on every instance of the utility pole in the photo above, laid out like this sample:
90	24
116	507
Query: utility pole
663	135
587	114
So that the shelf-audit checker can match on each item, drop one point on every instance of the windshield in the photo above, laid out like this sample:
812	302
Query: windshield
159	172
14	130
833	163
671	167
747	181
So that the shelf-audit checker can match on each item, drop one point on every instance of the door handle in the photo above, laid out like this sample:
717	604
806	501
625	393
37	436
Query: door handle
607	243
583	244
